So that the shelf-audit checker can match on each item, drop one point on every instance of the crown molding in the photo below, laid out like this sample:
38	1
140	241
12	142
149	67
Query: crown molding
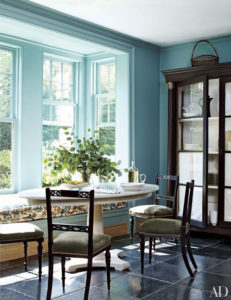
45	17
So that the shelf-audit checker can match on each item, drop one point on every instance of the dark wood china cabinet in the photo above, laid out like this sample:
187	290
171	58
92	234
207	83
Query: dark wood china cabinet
200	142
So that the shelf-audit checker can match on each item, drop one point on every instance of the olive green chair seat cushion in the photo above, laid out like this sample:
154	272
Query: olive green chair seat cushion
151	211
19	231
162	226
77	243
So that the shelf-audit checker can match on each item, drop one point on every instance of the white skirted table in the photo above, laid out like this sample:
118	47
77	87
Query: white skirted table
37	197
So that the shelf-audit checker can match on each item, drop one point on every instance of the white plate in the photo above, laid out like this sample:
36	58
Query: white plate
74	186
132	186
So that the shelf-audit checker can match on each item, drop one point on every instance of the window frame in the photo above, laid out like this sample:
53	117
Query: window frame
75	91
98	95
13	118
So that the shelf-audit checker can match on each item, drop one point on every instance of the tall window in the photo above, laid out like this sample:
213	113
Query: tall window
106	104
58	102
6	118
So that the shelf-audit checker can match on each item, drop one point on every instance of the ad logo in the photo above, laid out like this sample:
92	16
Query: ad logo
219	291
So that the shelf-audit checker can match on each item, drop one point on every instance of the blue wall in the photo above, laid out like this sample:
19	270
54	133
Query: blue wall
180	57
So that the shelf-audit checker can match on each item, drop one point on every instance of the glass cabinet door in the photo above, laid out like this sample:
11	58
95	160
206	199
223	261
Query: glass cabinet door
213	150
190	147
227	153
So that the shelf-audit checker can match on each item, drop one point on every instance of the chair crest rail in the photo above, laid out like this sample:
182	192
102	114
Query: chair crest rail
70	227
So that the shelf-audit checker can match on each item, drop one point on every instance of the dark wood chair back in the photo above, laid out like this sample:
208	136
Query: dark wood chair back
69	227
170	180
187	210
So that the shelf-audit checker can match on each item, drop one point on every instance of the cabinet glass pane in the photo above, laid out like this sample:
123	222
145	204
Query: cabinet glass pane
213	135
212	202
228	205
190	100
214	94
191	167
227	169
213	163
191	135
228	134
196	205
228	98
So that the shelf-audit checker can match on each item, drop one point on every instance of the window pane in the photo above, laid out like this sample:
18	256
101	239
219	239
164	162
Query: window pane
103	79
5	84
53	136
67	74
5	61
112	77
56	91
63	114
112	112
67	94
56	71
104	113
46	112
4	106
5	156
107	137
46	70
106	78
46	89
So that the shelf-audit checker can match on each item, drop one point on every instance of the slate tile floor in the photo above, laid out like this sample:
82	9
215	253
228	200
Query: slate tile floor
166	278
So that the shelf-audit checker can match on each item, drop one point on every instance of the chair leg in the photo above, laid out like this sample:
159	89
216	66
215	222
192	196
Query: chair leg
63	271
184	254
150	249
190	252
142	253
131	228
40	253
154	244
88	280
108	262
50	276
25	255
176	241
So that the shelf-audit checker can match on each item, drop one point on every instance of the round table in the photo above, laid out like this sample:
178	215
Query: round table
37	197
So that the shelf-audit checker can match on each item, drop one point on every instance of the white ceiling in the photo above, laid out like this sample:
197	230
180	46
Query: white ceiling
162	22
47	37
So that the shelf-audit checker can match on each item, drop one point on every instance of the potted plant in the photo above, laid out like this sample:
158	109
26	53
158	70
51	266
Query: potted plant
85	155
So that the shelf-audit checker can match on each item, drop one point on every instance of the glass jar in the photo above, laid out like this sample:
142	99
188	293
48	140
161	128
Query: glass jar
133	173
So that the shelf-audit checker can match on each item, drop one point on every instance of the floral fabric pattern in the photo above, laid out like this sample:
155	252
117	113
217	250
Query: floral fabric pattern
32	213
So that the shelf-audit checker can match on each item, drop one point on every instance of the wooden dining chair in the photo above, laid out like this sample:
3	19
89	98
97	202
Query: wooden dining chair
171	228
23	233
157	210
76	241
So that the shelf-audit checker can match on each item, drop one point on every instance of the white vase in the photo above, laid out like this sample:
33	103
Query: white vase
213	217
